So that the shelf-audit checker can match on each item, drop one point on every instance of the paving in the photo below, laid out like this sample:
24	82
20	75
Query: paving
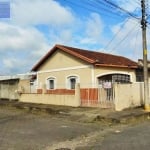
82	114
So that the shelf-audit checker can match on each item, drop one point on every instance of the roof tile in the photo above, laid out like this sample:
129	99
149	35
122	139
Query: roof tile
92	57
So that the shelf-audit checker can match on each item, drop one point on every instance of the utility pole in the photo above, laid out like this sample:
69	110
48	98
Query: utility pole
145	64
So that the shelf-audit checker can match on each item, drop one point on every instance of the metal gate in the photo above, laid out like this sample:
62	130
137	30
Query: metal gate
100	96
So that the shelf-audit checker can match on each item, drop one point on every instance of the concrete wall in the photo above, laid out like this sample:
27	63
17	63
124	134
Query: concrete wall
53	99
8	89
24	86
128	95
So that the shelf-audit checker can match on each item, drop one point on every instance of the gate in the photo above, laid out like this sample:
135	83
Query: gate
99	96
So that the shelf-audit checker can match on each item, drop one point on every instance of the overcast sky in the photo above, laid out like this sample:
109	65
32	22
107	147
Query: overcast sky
35	26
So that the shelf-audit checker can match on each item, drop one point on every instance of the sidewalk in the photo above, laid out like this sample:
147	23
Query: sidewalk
82	114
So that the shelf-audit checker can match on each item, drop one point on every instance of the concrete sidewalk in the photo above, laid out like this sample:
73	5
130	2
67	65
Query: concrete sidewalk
82	114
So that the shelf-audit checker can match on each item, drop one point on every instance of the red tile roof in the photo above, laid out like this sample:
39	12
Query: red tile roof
92	57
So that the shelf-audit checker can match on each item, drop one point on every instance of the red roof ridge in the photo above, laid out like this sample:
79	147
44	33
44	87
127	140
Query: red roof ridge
66	48
92	57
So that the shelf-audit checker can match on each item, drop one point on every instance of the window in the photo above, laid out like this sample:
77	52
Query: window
139	75
72	83
51	83
72	80
115	78
121	78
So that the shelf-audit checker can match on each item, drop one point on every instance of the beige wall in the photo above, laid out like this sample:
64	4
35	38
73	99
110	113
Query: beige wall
84	76
61	65
67	100
24	86
59	60
128	95
100	71
53	99
9	91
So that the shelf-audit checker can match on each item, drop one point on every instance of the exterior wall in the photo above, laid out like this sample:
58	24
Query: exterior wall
67	100
59	60
53	99
62	65
24	86
128	95
8	90
100	71
83	74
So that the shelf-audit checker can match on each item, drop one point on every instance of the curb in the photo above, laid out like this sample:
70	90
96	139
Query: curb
123	117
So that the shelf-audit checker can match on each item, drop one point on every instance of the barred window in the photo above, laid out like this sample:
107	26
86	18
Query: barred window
121	78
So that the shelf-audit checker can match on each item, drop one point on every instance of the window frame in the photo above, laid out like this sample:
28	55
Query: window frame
70	85
48	84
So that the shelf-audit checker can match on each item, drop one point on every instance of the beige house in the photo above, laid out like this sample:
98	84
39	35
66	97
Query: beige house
64	66
76	77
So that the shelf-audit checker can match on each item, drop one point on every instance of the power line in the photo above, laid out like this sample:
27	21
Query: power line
135	44
129	32
121	9
121	27
98	6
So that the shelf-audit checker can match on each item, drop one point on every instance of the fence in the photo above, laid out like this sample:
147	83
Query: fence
97	96
117	96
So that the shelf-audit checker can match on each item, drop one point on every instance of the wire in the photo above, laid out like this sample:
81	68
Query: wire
116	34
135	46
99	7
130	31
122	9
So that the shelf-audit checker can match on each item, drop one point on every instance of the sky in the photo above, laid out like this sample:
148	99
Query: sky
35	26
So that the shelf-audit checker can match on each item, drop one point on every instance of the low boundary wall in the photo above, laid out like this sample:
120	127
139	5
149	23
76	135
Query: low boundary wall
54	99
128	95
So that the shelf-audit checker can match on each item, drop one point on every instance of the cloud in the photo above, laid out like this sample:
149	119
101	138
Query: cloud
94	26
127	39
36	26
22	42
18	44
40	12
130	6
17	38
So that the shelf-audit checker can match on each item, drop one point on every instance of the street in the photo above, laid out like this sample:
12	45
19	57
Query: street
132	138
21	130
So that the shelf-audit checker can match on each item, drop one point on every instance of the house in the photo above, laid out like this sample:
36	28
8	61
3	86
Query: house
76	77
63	66
9	86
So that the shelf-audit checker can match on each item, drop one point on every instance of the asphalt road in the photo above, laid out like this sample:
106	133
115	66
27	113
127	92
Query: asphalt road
130	137
20	130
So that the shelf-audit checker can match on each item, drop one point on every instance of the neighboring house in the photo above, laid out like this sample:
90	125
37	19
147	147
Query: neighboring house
11	86
64	66
8	87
